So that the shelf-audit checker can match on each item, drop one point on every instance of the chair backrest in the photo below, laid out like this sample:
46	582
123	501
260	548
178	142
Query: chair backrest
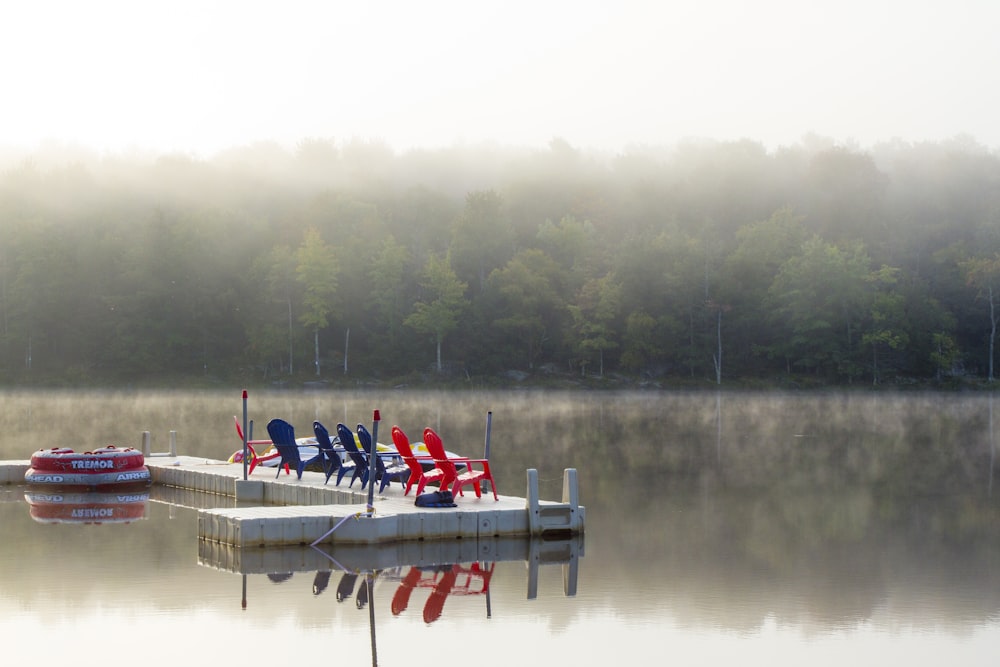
351	446
283	437
436	449
402	443
366	443
324	443
406	451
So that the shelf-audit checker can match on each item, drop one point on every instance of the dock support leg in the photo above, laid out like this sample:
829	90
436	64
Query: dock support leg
531	502
570	496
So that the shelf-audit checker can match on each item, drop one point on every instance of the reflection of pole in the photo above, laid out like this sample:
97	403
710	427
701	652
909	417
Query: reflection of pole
245	431
244	591
489	606
370	583
718	427
993	451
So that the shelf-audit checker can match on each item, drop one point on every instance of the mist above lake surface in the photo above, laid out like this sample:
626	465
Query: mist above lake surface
921	443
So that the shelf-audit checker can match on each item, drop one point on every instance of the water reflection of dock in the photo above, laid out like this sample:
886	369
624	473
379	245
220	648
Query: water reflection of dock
439	570
428	555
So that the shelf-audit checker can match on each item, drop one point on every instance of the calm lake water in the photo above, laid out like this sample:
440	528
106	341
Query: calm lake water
733	528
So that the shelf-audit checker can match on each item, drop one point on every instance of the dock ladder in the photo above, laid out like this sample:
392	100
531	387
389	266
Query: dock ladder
552	519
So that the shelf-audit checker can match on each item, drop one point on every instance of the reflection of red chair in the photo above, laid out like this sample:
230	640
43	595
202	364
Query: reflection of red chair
417	473
451	476
473	580
435	602
401	598
444	581
457	580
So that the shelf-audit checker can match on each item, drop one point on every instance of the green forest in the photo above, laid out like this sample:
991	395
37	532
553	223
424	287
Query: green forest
704	263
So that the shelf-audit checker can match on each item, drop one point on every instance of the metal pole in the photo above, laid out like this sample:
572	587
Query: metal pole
489	428
371	465
245	434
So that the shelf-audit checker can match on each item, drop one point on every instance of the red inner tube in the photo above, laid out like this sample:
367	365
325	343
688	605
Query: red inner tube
102	460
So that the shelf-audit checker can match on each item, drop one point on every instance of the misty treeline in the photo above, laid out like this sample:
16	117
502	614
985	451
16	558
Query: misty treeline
704	261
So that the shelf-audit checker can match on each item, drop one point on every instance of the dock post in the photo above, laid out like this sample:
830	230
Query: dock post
147	445
489	427
372	460
486	454
246	434
570	494
531	501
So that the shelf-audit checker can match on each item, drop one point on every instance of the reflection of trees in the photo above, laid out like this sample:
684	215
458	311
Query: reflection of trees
814	509
819	560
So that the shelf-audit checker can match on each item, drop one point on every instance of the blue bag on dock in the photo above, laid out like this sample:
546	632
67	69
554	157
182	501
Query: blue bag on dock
435	499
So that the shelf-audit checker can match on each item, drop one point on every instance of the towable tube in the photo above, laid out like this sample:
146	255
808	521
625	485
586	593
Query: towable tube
103	459
105	466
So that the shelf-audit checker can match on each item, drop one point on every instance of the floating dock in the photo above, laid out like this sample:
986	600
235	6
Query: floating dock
285	511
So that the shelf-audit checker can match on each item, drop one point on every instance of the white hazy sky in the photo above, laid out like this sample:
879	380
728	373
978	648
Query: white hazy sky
200	76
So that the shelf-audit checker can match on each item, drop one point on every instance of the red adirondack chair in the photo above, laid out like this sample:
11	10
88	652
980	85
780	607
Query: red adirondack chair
457	480
254	458
418	475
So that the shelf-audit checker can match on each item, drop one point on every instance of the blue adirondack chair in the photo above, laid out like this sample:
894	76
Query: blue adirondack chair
283	438
331	458
383	473
357	455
